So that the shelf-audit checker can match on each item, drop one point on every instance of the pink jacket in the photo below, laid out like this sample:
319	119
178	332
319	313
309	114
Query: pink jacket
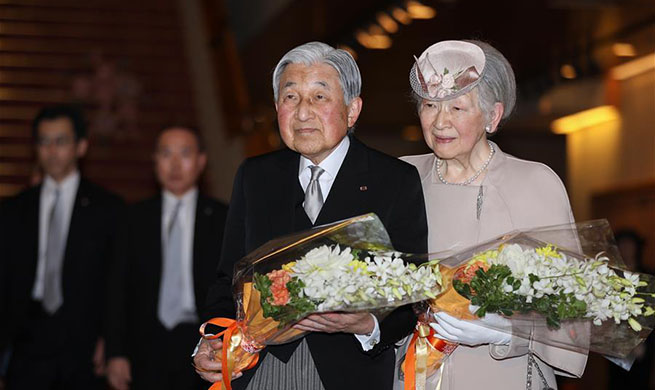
518	194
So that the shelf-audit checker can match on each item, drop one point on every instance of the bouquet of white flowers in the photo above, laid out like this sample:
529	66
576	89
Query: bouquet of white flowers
331	278
345	266
541	280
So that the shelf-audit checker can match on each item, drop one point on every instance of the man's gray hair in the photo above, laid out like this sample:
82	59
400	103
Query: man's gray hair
320	53
498	84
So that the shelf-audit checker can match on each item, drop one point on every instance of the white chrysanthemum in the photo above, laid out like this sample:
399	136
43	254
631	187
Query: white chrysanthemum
323	260
513	257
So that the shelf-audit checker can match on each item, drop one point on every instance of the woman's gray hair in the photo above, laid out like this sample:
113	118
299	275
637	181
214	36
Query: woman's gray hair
317	53
498	84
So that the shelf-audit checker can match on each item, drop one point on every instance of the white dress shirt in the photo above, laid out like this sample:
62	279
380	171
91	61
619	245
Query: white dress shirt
331	165
68	191
187	220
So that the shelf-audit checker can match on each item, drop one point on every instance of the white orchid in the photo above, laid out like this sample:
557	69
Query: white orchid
606	294
335	280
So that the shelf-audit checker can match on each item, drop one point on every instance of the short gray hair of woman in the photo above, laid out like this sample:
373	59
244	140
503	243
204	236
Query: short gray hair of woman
320	53
498	84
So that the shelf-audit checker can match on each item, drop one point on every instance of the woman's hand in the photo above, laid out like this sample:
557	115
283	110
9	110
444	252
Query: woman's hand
471	333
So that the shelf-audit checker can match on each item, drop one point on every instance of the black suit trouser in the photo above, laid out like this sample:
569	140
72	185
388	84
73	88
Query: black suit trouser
45	357
163	360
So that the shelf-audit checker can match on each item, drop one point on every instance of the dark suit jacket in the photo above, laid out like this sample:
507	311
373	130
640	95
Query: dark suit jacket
89	247
267	203
136	274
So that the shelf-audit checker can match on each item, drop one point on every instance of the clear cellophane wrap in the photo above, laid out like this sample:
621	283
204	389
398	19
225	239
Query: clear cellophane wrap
251	331
585	241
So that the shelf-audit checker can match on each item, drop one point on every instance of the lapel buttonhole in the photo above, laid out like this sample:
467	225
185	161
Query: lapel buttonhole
363	188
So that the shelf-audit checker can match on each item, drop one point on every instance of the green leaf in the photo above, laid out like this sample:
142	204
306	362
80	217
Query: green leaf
486	291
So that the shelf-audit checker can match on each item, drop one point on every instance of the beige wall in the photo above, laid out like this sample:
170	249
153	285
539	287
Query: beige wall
614	154
224	155
637	106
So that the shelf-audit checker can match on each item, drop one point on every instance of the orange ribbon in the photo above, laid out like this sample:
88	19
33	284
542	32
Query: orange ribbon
424	343
232	338
410	364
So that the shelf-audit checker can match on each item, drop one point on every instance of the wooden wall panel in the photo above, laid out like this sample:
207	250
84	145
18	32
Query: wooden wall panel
46	45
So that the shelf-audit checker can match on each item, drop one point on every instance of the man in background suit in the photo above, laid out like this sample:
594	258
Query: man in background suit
325	175
169	253
58	238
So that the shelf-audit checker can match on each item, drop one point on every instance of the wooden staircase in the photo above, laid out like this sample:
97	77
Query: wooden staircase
63	51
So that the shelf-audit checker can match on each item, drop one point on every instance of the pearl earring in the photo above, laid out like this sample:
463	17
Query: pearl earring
487	129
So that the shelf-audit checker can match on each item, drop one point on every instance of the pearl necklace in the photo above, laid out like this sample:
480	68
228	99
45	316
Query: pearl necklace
472	178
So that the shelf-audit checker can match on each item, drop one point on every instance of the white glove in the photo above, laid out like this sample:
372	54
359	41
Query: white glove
472	333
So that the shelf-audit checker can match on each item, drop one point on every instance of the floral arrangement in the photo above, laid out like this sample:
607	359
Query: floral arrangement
543	280
540	288
330	278
345	266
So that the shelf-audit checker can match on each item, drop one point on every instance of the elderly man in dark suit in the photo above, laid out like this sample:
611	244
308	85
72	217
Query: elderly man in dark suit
169	253
58	239
325	175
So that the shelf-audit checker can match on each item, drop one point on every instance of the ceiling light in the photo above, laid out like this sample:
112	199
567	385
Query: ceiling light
634	67
624	50
568	71
419	11
373	41
374	29
585	119
401	15
387	22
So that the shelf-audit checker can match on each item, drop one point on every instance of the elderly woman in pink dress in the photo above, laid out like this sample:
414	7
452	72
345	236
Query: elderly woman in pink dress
474	192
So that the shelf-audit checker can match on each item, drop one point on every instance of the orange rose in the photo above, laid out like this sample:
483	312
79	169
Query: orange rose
467	272
280	295
280	278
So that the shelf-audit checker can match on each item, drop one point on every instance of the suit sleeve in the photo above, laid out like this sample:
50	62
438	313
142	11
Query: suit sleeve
117	293
219	298
408	230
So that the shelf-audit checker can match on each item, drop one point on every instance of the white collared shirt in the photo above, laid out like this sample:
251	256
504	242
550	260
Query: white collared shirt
187	219
330	165
68	191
